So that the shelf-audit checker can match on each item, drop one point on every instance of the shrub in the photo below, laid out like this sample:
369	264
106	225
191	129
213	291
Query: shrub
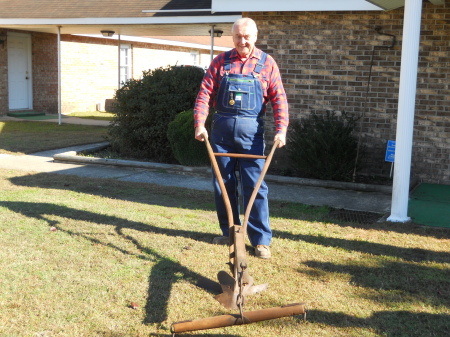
186	149
145	108
323	146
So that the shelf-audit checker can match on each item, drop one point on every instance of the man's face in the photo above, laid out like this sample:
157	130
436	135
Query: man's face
244	38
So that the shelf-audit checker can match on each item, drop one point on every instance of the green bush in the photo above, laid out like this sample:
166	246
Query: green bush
186	149
145	108
323	146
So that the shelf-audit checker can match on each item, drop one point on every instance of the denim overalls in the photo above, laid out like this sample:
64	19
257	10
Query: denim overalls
237	127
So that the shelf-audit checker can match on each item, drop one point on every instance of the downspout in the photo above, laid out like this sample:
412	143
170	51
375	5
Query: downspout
59	76
406	106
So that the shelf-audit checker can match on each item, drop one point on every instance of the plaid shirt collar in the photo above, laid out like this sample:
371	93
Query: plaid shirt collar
256	53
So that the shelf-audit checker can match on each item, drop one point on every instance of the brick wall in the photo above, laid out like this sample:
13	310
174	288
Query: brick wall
89	68
45	72
89	72
325	57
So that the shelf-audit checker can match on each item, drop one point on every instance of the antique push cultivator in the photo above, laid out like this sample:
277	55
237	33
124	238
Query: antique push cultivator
240	284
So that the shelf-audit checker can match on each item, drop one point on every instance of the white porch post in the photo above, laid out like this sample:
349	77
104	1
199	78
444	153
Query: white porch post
118	61
59	76
406	106
212	43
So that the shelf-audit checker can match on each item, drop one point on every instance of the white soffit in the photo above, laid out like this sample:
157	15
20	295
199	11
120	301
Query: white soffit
437	2
157	41
388	4
289	5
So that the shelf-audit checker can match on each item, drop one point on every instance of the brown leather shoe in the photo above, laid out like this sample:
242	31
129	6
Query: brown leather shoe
221	240
263	252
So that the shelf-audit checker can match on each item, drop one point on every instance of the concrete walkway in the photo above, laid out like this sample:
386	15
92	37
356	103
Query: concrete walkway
355	197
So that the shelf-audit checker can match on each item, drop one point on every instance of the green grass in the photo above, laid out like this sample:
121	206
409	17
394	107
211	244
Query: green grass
98	115
32	136
77	251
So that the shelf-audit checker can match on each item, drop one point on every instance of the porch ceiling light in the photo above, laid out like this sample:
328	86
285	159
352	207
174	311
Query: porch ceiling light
217	32
107	33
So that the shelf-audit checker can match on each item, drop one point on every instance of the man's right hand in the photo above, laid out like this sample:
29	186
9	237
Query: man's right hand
199	132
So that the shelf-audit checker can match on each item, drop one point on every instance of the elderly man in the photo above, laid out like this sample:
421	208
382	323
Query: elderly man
239	83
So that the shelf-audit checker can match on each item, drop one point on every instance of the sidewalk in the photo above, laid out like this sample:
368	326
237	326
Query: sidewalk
280	188
340	195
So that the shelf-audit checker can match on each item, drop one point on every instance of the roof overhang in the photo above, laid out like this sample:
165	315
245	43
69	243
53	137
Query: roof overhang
295	6
220	44
145	26
388	4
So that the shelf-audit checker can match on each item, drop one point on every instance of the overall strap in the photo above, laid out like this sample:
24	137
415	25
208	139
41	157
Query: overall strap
260	63
227	61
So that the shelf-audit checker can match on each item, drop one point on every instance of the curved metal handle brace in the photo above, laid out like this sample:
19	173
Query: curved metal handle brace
258	185
225	197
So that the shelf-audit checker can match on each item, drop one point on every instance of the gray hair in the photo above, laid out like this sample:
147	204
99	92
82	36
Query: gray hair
245	22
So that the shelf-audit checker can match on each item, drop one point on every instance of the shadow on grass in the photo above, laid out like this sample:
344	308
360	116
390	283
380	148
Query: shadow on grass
388	323
400	282
195	199
164	274
367	247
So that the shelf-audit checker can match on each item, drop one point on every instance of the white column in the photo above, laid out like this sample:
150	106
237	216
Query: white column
212	42
59	76
118	60
406	105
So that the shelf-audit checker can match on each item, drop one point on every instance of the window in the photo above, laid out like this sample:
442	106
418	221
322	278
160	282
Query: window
125	63
194	58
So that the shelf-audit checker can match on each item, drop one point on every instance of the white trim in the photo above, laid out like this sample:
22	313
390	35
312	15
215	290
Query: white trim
158	41
294	6
124	21
176	10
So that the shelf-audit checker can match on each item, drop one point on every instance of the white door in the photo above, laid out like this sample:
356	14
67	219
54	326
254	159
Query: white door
19	72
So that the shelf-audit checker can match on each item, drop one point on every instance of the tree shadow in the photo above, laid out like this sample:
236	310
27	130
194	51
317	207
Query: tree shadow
388	323
402	282
164	274
408	254
196	199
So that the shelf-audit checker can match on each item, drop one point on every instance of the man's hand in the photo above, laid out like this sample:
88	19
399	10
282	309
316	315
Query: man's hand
282	138
199	131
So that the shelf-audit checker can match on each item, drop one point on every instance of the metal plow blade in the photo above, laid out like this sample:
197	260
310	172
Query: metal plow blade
231	296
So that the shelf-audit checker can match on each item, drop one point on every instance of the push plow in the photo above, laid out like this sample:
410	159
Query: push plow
239	285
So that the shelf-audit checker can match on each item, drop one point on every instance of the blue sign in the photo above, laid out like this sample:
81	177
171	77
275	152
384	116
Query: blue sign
390	151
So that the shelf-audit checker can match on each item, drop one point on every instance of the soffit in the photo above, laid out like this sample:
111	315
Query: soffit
388	4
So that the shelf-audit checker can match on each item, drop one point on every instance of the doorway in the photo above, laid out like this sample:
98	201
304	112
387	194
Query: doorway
19	72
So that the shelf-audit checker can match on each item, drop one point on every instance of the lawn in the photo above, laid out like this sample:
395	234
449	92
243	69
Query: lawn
32	136
98	115
98	257
77	252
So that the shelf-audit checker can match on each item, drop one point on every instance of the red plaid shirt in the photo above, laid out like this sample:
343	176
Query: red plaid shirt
270	79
